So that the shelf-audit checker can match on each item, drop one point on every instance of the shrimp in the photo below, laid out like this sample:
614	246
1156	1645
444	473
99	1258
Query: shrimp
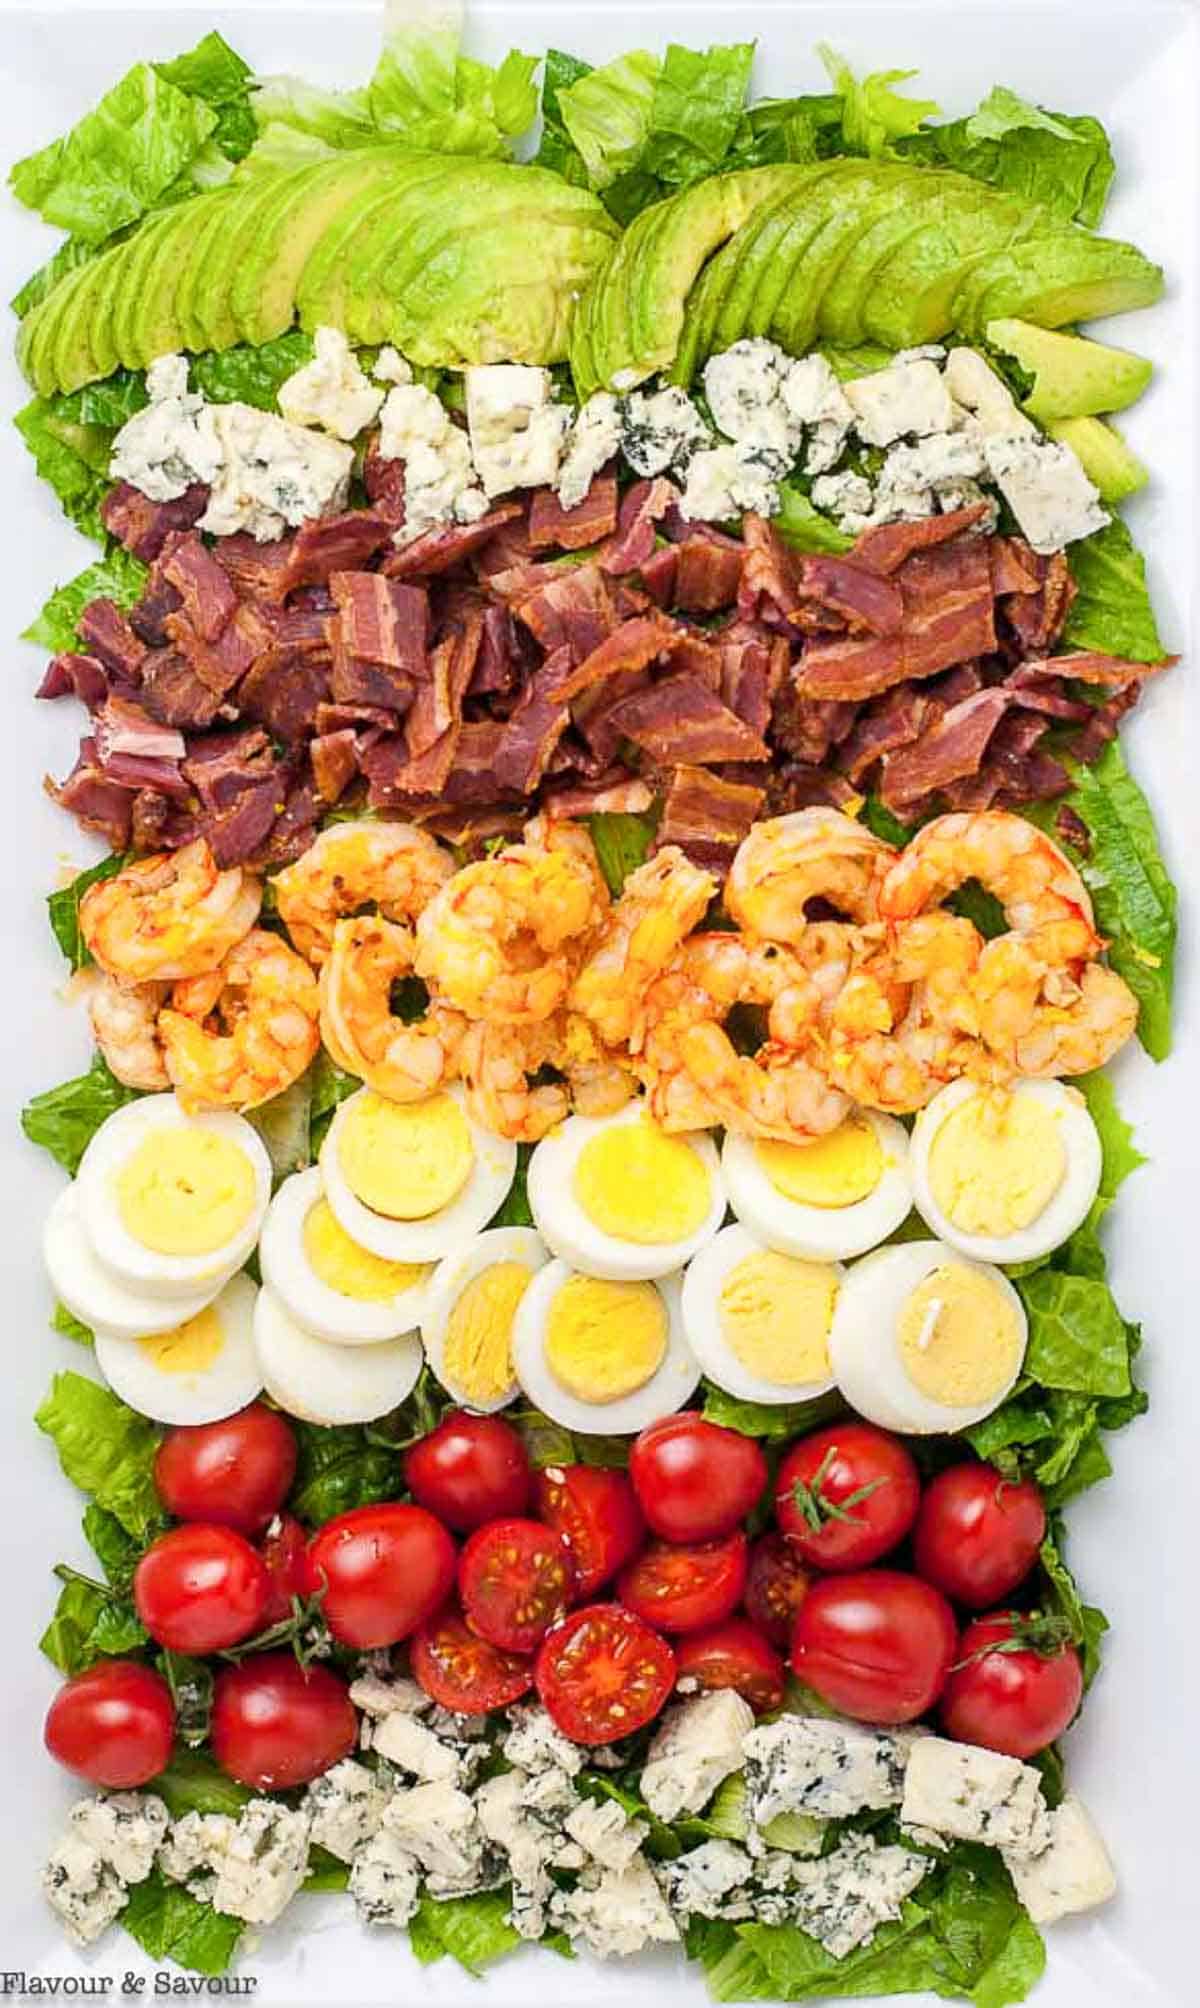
243	1034
904	1021
660	903
125	1023
504	936
168	916
598	1082
405	1062
787	861
497	1063
776	1093
392	866
1040	1021
1043	896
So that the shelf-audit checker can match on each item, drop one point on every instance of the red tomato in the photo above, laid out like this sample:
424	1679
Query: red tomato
602	1673
978	1533
284	1549
386	1569
515	1579
776	1586
463	1672
694	1480
1015	1686
684	1589
877	1645
734	1654
113	1725
199	1589
233	1473
846	1494
276	1724
595	1512
470	1469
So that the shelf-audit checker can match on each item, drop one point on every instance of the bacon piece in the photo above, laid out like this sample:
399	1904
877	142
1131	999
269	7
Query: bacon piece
752	672
884	727
148	616
143	526
70	675
615	792
1103	723
384	483
807	727
171	692
1087	666
768	583
795	784
438	549
222	663
498	667
866	602
951	749
257	571
681	722
885	548
658	576
121	726
332	544
948	618
642	506
707	816
208	599
551	527
97	802
237	834
382	622
1015	566
282	692
292	831
634	645
334	757
570	607
708	573
472	779
535	727
107	635
222	765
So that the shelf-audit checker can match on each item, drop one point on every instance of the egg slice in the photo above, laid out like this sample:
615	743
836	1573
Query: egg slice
172	1203
1005	1175
91	1292
328	1283
470	1309
330	1384
759	1321
924	1340
826	1200
602	1355
411	1180
615	1196
203	1369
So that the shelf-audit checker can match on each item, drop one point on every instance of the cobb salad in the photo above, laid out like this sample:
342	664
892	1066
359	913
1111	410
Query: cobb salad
621	887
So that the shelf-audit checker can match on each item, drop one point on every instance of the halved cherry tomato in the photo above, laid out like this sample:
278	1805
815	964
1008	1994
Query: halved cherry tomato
736	1655
113	1725
602	1673
596	1513
682	1589
846	1494
695	1480
776	1586
470	1469
284	1549
385	1568
462	1671
200	1589
515	1579
232	1473
877	1645
978	1533
276	1724
1015	1686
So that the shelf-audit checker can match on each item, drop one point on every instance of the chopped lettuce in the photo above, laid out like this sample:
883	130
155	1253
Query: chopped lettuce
63	906
329	1084
802	526
696	110
1111	611
119	160
1077	1337
548	1443
874	116
556	148
68	1326
285	1126
606	113
89	1623
1060	160
622	844
339	1468
768	1419
247	374
514	1209
73	458
215	73
642	125
64	1120
106	1449
193	1783
474	1930
1088	1625
168	1923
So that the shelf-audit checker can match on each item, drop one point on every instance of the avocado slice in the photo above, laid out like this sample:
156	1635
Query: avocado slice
131	280
700	315
797	318
898	212
161	319
1105	457
396	251
1058	277
1073	378
467	310
773	242
210	307
60	315
263	290
192	289
338	264
912	293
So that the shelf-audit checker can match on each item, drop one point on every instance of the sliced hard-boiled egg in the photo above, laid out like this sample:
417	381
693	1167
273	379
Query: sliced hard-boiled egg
758	1321
1005	1174
602	1355
203	1369
411	1180
330	1384
170	1202
615	1196
470	1308
91	1292
829	1199
330	1284
924	1340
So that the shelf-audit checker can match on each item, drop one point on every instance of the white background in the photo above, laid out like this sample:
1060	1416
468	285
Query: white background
1136	65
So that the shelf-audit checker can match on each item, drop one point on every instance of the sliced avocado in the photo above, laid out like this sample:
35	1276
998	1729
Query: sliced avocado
263	289
797	318
137	265
1073	377
1105	457
60	315
770	255
466	310
395	252
161	320
211	310
340	262
191	292
1058	277
897	213
700	315
911	294
749	252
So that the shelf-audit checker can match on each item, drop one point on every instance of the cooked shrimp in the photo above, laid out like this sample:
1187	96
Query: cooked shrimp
392	866
776	1093
404	1062
168	916
788	861
569	839
125	1023
237	1037
904	1020
1043	1021
504	937
660	903
897	1070
1042	893
598	1082
498	1063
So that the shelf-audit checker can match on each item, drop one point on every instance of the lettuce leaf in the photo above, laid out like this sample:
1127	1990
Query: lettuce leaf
425	90
194	1783
801	524
788	129
696	110
215	73
68	1326
250	375
1077	1337
474	1930
119	160
73	459
515	1210
1088	1625
106	1450
1063	161
339	1468
1134	897
622	844
548	1443
556	149
1111	611
63	906
768	1420
607	113
88	1624
874	115
65	1119
328	1085
168	1923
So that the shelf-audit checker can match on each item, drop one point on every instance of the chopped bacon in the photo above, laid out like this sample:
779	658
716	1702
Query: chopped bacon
707	574
884	727
553	528
334	757
384	483
171	691
282	692
207	597
222	663
948	618
797	785
438	549
498	667
259	572
1016	568
634	645
332	544
78	676
143	526
221	765
292	831
768	583
238	833
866	602
658	576
93	799
949	750
121	726
381	621
106	634
642	506
615	792
1103	723
534	727
752	672
885	548
681	722
807	728
570	607
707	816
148	615
1086	666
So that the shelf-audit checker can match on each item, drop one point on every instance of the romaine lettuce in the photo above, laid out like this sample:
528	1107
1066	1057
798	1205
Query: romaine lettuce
168	1923
474	1930
119	160
622	844
63	906
106	1449
1061	160
1111	611
874	116
64	1120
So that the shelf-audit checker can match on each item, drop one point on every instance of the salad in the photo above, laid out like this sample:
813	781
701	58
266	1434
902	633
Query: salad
621	883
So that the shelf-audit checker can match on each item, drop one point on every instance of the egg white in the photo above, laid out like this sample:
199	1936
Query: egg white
204	1394
427	1240
451	1278
576	1239
866	1361
666	1390
1066	1208
330	1384
703	1283
142	1268
821	1233
92	1293
313	1303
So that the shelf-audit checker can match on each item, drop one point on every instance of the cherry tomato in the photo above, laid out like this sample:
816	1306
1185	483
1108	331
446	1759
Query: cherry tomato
233	1473
682	1589
877	1645
386	1569
200	1589
596	1513
113	1725
846	1494
734	1654
776	1586
276	1724
1015	1685
284	1549
694	1480
463	1672
602	1673
515	1579
978	1533
470	1469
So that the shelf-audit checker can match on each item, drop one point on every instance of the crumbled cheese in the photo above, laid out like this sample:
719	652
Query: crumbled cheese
84	1892
953	495
1072	1873
605	1832
272	475
842	1899
973	1794
391	367
194	1847
816	1765
846	497
701	1882
660	430
533	1742
615	1913
591	443
170	444
344	1807
1046	489
167	378
264	1864
379	1694
727	481
814	396
517	433
975	386
411	1747
385	1882
744	386
439	478
907	398
125	1829
437	1824
331	391
698	1744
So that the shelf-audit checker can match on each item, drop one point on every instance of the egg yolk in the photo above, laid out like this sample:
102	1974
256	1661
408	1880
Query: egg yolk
406	1160
477	1356
190	1349
775	1314
638	1184
605	1340
185	1190
834	1170
996	1163
342	1265
960	1337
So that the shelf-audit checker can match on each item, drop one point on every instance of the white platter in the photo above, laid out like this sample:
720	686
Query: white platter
1135	63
